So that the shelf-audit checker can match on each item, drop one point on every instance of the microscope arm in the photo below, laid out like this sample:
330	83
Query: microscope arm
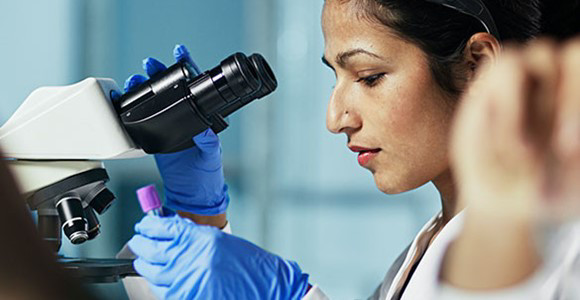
75	122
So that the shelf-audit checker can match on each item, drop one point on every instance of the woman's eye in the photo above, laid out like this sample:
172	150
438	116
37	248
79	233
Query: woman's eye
372	80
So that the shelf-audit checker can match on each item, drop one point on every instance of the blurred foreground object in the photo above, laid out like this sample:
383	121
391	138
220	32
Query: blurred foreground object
516	153
28	269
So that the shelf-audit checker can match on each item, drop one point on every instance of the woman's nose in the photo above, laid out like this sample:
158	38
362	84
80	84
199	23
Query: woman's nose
341	117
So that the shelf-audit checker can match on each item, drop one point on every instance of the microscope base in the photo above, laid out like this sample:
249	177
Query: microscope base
98	270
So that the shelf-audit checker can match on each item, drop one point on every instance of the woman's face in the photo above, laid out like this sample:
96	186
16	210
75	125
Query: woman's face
385	100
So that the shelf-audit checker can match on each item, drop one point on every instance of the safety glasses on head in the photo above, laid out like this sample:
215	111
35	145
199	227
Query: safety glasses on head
474	8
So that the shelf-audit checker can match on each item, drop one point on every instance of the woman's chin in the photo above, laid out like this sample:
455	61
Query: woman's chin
391	185
387	186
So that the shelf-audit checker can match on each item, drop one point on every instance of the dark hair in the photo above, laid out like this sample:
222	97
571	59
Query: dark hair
443	32
561	18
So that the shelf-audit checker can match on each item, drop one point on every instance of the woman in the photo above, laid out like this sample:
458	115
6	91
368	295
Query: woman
401	67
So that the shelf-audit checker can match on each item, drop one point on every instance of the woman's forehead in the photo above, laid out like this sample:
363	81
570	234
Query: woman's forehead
342	33
345	20
336	10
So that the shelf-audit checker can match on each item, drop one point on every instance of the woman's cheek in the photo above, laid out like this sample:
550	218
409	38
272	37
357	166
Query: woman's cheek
398	116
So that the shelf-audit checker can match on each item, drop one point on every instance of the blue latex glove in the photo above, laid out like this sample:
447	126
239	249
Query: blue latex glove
193	179
183	260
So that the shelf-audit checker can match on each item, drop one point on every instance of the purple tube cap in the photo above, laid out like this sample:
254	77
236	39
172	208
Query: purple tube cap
148	198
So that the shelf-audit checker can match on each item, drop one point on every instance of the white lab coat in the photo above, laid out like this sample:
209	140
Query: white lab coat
559	277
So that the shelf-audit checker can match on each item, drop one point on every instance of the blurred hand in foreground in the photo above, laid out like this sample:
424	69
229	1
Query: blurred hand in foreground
516	156
516	138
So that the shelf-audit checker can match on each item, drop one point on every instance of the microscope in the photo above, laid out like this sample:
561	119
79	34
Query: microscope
56	142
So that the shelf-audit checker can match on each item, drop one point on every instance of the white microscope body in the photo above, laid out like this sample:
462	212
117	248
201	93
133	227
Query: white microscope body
55	144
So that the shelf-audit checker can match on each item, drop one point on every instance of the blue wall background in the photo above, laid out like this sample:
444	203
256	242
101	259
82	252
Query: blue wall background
296	189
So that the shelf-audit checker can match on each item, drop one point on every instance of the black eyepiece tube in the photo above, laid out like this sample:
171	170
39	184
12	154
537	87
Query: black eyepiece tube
265	74
267	80
164	113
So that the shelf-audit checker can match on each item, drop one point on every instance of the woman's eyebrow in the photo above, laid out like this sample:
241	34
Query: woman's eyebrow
343	57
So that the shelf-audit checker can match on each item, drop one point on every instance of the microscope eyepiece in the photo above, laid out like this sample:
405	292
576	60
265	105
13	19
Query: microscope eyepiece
268	84
266	75
72	217
239	75
178	102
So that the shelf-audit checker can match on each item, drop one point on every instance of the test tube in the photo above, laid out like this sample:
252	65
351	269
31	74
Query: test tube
149	201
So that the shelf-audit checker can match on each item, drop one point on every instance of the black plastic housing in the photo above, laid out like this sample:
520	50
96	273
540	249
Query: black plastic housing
164	113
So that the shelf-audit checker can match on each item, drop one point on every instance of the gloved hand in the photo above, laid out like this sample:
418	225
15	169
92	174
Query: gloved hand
183	260
193	178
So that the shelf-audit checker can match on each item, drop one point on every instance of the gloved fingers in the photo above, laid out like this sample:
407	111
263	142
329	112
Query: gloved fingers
115	95
150	250
156	274
132	82
181	53
209	144
162	227
153	66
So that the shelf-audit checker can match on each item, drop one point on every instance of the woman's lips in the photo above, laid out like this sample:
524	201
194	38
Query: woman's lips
364	157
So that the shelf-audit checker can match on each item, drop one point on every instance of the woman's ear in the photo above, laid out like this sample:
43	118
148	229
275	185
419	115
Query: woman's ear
482	48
